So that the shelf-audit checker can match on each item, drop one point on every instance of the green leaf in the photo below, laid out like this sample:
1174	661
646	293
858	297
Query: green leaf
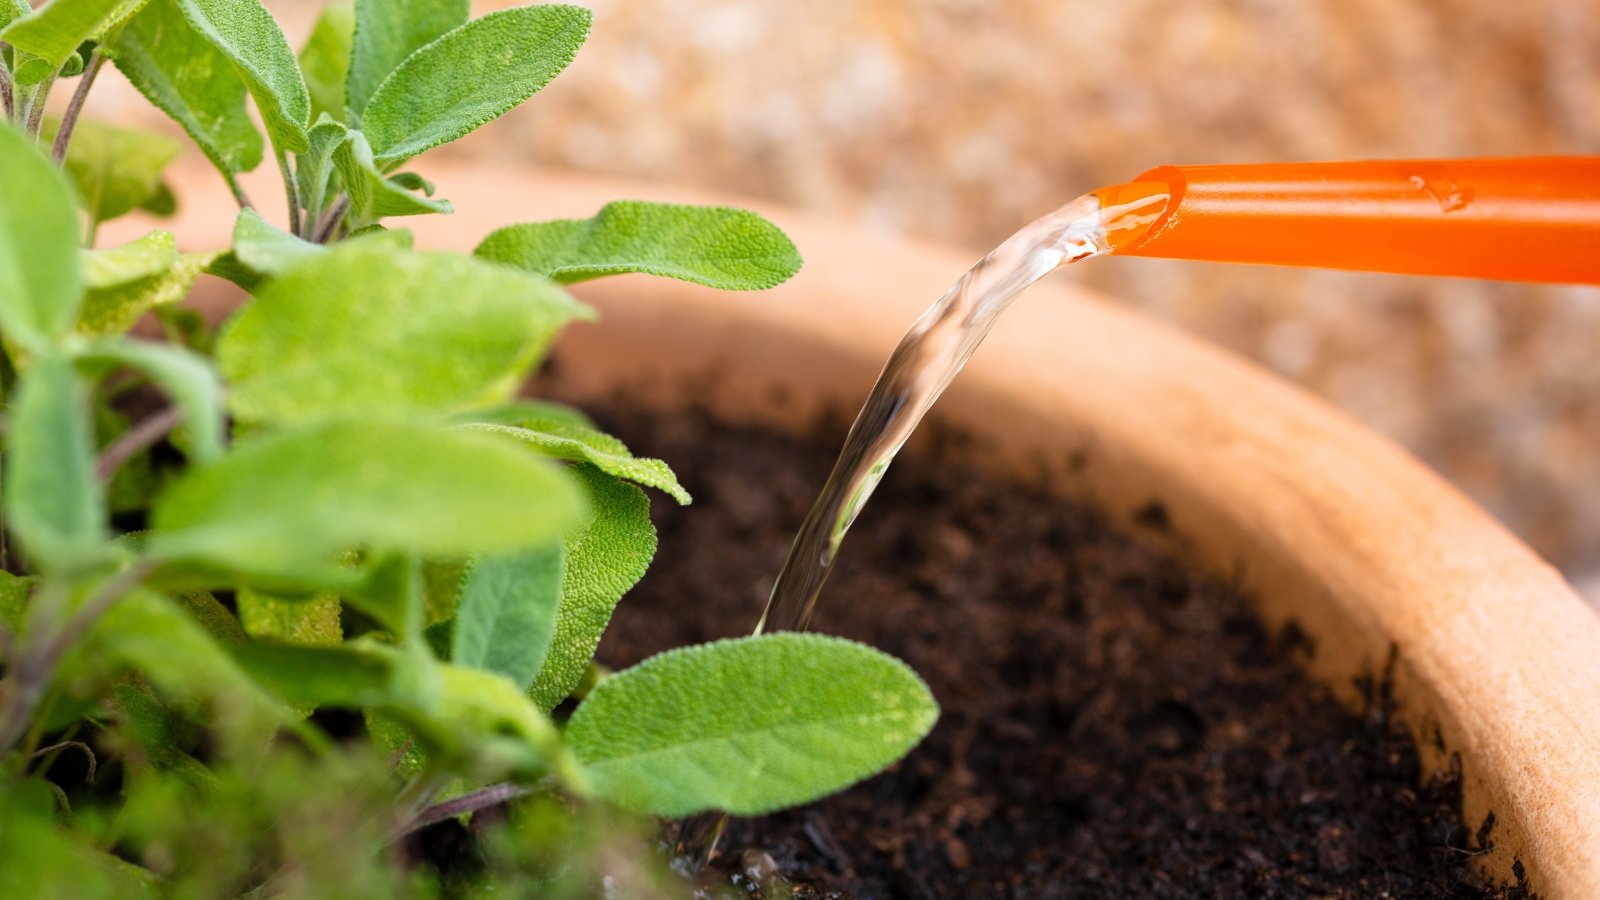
11	10
178	70
731	249
146	257
553	431
54	32
356	674
311	621
470	76
373	196
507	614
53	501
748	726
187	378
14	593
40	280
314	168
289	502
604	560
264	248
386	33
245	33
116	170
325	59
112	310
367	331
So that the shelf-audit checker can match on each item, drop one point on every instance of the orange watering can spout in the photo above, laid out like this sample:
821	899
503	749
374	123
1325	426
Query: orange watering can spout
1519	219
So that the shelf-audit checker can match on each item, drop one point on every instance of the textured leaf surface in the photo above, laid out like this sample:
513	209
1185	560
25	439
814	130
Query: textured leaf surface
469	77
389	31
188	379
308	621
603	561
246	34
52	500
748	726
554	431
297	498
325	59
365	330
114	310
117	170
53	32
731	249
267	249
40	280
185	76
136	260
314	168
372	195
507	614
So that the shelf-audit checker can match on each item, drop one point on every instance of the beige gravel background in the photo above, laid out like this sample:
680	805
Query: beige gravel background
960	120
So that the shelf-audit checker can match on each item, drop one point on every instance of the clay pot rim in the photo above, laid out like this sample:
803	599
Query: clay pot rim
1493	660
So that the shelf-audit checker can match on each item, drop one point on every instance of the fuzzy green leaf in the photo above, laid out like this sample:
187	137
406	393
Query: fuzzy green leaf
187	378
11	10
325	59
14	593
246	34
185	76
117	170
552	430
146	257
307	621
720	247
54	32
387	32
314	168
603	561
367	331
53	501
41	283
291	501
263	247
470	76
507	614
748	726
356	674
112	310
372	195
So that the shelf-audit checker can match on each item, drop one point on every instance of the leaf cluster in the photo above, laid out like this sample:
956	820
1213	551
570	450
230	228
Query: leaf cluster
338	500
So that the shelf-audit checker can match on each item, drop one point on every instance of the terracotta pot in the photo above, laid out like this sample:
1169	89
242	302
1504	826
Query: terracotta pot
1494	660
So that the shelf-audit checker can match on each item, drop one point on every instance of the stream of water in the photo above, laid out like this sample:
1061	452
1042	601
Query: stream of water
920	368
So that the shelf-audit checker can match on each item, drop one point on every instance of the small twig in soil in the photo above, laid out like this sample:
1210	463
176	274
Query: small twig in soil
69	120
136	439
88	754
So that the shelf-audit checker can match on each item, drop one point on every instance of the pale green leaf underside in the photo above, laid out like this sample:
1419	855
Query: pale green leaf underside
185	76
470	76
245	33
748	726
297	498
54	32
730	249
41	283
53	501
604	560
145	257
267	249
113	310
551	432
372	195
386	33
314	168
364	330
325	59
507	614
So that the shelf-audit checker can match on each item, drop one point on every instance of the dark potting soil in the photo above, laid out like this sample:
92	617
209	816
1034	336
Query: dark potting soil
1112	725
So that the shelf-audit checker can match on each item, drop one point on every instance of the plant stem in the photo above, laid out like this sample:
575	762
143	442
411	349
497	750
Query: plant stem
289	191
26	681
331	221
6	90
35	106
483	798
135	439
69	120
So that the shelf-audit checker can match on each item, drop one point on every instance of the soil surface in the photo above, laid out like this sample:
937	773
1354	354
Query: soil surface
1112	725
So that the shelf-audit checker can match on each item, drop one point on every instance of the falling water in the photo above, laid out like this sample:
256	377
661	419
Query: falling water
921	367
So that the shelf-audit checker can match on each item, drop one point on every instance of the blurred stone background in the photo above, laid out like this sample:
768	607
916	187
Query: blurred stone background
960	120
